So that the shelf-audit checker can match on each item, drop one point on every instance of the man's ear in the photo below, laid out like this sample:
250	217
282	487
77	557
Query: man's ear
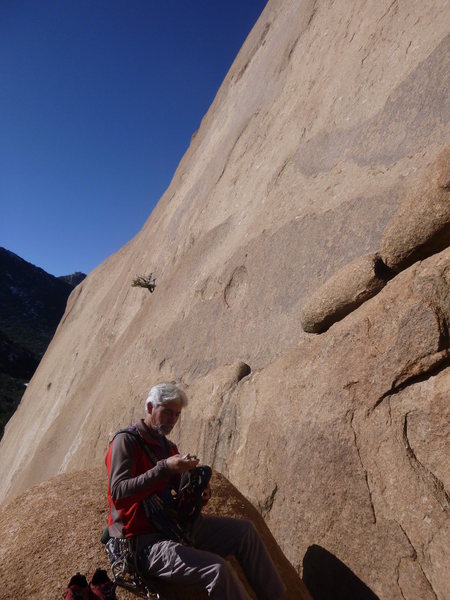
149	408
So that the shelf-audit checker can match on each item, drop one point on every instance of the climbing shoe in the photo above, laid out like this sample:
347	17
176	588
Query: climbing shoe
101	586
77	589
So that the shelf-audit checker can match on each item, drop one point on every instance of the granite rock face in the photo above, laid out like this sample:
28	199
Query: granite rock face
330	115
355	431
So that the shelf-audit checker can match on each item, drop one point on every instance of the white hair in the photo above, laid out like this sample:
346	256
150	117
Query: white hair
164	393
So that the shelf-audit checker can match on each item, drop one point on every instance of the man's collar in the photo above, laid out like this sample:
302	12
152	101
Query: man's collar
147	432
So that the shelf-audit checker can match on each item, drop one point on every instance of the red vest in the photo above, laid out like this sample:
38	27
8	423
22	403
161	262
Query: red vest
127	516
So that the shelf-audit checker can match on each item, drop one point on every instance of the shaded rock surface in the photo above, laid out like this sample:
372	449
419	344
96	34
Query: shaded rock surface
328	113
74	278
53	530
32	303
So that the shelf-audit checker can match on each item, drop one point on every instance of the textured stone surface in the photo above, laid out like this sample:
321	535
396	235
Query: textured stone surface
443	168
330	113
354	431
53	530
343	292
421	225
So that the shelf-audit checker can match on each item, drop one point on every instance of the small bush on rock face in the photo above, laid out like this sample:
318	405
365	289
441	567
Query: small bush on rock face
145	281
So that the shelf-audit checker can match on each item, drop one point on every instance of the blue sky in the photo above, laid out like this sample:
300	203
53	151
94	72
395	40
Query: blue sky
98	102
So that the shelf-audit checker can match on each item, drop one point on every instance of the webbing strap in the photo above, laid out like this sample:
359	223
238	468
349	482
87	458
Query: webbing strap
145	447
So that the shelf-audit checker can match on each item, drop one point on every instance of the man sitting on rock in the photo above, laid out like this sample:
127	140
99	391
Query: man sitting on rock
142	465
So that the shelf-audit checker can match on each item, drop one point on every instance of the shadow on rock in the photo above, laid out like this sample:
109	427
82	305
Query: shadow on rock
327	578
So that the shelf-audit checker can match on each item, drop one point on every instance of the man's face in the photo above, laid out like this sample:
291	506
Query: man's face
163	418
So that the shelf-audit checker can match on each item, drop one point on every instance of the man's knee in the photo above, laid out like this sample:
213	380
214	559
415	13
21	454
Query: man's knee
250	526
248	530
221	574
244	526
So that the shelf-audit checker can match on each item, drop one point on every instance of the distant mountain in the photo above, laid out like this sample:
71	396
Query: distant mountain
32	303
73	279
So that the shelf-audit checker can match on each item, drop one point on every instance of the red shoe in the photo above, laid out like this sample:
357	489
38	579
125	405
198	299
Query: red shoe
101	586
77	589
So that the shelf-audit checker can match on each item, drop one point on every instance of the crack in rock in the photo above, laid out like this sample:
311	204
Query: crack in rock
266	506
227	159
416	372
414	558
397	572
366	475
425	474
414	551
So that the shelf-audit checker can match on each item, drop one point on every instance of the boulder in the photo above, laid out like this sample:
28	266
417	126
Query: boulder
344	292
421	225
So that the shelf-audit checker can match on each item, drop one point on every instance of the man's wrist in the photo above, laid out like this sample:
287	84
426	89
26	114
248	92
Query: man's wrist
162	464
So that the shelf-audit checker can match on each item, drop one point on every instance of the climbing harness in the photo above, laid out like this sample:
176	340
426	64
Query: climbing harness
124	568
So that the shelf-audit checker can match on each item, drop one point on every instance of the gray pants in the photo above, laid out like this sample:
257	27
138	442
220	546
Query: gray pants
204	567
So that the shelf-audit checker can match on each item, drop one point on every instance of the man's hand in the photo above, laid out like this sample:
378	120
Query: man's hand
206	495
180	464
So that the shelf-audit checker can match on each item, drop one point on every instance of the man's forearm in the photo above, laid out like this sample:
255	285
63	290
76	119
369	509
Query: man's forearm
122	483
